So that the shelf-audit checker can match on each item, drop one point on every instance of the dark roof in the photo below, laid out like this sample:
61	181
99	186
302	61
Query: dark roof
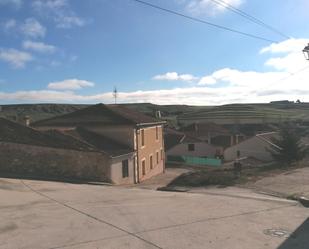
99	114
205	128
16	133
100	142
173	137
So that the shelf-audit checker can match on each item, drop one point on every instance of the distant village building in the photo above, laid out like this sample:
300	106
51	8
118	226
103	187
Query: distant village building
213	134
137	139
258	147
179	144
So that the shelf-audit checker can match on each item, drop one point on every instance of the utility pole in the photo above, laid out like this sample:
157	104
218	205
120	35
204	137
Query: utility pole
115	94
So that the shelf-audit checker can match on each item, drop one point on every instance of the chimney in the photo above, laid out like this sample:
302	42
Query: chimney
195	127
26	120
158	114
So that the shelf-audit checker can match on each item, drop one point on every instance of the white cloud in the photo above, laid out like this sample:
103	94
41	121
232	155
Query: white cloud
290	57
39	47
69	21
32	28
241	78
70	84
226	85
49	4
16	58
60	11
173	76
209	7
287	46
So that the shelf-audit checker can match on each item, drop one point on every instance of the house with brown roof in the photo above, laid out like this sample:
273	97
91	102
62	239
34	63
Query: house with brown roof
257	147
214	134
31	153
180	144
118	131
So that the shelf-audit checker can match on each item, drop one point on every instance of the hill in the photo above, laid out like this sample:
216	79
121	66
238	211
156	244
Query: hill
179	114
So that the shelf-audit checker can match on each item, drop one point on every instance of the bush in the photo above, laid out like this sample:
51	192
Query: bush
289	149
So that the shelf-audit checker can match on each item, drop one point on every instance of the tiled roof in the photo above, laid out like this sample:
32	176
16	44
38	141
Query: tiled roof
16	133
205	128
99	114
173	137
100	142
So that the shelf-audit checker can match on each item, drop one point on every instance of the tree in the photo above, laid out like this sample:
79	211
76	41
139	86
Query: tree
288	147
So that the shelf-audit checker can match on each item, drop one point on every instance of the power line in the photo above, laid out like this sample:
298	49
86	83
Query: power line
204	22
249	17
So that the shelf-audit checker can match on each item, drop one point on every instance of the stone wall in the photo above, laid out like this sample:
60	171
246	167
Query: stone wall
48	162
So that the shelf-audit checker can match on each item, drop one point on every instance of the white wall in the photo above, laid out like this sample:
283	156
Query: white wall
252	147
116	170
201	149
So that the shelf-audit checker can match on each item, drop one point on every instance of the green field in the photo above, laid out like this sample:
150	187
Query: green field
249	114
183	114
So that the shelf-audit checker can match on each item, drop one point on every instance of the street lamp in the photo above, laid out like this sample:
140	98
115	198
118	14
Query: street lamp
306	52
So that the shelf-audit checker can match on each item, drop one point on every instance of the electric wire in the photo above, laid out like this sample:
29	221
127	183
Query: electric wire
249	17
204	22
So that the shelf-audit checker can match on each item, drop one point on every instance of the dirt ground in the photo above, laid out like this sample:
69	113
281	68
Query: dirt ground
294	182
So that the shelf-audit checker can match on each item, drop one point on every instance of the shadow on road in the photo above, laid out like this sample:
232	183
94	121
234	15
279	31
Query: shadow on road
299	239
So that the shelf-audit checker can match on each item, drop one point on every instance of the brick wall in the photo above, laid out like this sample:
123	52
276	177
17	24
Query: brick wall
53	163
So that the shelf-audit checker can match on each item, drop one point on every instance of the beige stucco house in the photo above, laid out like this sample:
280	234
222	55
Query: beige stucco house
180	144
258	147
129	131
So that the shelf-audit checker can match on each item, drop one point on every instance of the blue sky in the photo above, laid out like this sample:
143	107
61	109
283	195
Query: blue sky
77	51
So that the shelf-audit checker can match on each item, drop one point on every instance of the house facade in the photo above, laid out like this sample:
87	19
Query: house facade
258	147
180	144
213	134
141	134
75	154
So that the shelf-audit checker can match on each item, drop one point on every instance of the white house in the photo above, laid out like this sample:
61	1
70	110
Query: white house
258	147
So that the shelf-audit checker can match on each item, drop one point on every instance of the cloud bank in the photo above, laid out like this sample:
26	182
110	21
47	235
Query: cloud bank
285	76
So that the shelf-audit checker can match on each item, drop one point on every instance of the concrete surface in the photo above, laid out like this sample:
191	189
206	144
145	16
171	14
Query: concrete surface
163	179
291	183
50	215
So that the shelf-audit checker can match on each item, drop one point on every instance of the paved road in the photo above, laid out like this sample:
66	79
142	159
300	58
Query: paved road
50	215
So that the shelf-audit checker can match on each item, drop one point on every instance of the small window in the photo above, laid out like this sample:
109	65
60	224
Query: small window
161	154
157	132
238	153
143	137
157	157
151	162
191	147
144	167
125	168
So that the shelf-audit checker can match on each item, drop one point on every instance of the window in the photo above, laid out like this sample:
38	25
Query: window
157	132
157	157
238	153
191	147
143	137
144	167
125	168
161	154
151	162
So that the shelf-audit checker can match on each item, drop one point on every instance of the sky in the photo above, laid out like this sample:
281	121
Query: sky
75	51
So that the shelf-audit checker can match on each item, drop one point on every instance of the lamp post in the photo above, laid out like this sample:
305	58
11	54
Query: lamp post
306	52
